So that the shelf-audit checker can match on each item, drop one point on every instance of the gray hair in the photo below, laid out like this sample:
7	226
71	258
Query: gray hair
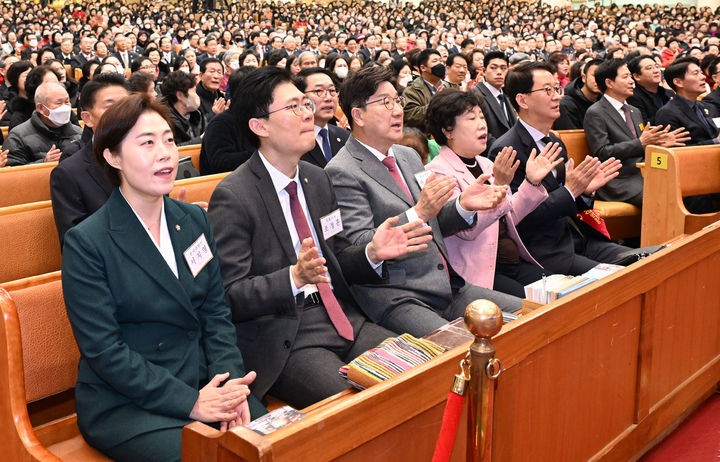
42	92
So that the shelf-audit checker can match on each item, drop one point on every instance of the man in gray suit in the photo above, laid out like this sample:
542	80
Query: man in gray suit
376	179
613	128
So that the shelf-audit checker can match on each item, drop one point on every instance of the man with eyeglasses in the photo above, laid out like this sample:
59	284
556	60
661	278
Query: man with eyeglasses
375	179
553	233
318	85
648	95
497	110
285	260
615	129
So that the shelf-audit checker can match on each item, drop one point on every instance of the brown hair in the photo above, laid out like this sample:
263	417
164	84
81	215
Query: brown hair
115	124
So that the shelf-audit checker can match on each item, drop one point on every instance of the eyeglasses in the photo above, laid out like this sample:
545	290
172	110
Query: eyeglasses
296	108
390	102
549	90
322	92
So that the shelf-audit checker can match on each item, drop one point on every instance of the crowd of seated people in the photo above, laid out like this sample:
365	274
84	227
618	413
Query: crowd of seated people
389	165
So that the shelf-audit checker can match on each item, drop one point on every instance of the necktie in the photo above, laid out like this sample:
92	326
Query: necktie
326	144
125	59
333	308
560	169
704	121
501	100
628	120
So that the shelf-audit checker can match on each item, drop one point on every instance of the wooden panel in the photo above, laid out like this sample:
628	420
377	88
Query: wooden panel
25	183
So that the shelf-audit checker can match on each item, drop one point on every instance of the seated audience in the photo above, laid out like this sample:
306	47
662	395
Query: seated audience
418	93
181	96
48	131
497	109
491	253
157	348
287	285
649	95
17	96
712	99
579	95
552	232
212	100
143	83
78	186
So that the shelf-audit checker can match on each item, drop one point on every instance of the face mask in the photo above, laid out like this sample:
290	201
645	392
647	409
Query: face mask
341	72
404	81
33	43
120	70
59	115
438	70
193	102
234	65
185	70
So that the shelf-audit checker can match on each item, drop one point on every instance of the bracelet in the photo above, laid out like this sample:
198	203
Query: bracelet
531	183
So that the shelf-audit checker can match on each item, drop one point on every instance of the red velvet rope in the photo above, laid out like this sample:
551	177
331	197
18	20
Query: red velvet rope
451	420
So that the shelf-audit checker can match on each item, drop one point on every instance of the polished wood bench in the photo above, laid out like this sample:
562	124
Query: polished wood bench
199	188
25	183
622	219
192	150
671	174
29	243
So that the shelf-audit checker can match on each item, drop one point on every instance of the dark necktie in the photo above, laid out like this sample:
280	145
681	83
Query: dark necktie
628	119
333	308
326	144
503	108
560	169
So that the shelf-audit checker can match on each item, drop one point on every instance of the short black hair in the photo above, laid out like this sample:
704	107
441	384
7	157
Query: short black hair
422	58
677	70
176	81
236	77
494	55
444	107
301	81
607	70
87	95
16	69
713	67
451	59
254	96
35	79
520	79
634	64
360	86
204	64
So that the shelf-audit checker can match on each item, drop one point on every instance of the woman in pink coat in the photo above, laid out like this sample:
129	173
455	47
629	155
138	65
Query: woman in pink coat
490	254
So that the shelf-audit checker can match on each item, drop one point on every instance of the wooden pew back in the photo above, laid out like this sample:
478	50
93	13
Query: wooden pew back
193	151
29	242
199	188
687	171
576	144
25	183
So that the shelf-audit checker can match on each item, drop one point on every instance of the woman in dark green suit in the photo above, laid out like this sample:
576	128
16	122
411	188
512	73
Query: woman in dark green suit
145	299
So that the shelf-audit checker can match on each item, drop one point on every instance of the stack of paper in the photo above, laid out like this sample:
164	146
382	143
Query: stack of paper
556	286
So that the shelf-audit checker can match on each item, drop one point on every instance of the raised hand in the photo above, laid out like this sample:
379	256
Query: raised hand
183	193
242	410
607	171
505	166
215	403
53	155
3	157
310	267
482	196
220	105
674	138
538	166
437	191
578	178
391	242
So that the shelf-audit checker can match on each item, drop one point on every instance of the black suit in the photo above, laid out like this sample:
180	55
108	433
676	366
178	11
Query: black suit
78	188
678	113
648	103
132	56
338	136
224	147
712	102
256	250
497	122
551	232
78	61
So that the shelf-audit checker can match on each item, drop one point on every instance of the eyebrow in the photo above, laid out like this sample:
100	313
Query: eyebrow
152	133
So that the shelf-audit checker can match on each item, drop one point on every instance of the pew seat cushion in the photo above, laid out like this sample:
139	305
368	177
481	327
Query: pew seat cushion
77	450
616	209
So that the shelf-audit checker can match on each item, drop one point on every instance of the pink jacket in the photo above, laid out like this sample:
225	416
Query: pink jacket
473	252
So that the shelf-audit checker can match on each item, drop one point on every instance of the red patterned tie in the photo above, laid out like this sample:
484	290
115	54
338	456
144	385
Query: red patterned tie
333	308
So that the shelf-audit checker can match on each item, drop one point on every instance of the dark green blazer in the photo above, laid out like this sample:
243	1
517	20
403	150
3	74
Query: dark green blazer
148	340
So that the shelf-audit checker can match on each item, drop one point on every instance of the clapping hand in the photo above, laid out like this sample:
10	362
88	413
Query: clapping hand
216	403
183	193
482	196
505	166
53	155
242	410
578	178
220	105
607	171
391	242
310	267
538	166
435	194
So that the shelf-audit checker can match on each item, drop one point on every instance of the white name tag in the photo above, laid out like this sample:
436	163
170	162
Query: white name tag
422	177
716	121
198	255
331	224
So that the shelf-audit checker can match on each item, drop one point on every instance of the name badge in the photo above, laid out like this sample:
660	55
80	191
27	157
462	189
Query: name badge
422	177
716	121
331	224
198	255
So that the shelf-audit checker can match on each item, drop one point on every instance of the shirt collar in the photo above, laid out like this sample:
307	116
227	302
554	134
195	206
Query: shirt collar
686	101
279	179
615	103
317	129
379	155
536	134
494	91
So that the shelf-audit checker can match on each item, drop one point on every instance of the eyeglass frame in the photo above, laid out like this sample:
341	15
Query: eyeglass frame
304	104
399	100
332	92
548	90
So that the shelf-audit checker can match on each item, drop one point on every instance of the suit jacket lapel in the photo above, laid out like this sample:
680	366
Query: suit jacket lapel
267	193
182	237
375	169
550	182
615	116
494	104
318	155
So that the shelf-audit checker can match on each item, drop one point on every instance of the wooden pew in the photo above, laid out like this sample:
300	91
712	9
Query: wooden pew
29	243
193	151
199	188
38	360
598	375
669	175
5	130
25	183
622	219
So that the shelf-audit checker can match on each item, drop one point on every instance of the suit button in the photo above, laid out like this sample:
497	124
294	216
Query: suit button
287	344
441	266
160	346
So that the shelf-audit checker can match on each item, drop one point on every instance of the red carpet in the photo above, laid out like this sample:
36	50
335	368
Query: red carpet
695	440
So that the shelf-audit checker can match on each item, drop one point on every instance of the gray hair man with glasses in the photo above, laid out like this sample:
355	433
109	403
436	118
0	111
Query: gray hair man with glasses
319	85
559	240
376	179
285	259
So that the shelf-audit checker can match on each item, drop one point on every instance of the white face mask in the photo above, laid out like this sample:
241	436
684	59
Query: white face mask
120	70
33	43
60	115
341	72
192	103
185	70
234	65
404	81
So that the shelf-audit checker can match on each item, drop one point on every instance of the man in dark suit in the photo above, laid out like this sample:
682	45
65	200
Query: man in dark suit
376	179
78	186
167	54
123	52
712	99
285	260
498	110
319	86
687	79
552	232
648	95
85	54
614	129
